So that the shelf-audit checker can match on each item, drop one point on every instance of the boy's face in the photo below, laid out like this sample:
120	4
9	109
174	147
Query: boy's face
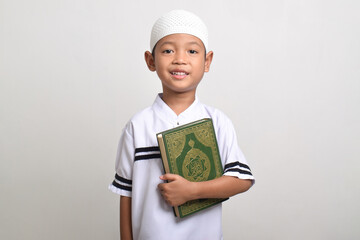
180	62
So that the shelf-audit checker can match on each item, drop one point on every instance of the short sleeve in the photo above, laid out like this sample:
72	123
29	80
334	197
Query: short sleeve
233	159
122	183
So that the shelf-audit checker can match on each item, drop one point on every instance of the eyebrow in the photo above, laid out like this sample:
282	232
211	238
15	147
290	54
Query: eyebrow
196	43
188	43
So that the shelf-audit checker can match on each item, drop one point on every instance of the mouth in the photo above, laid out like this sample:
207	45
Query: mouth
179	73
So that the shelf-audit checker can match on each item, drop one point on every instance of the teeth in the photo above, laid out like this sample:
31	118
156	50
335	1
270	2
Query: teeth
178	73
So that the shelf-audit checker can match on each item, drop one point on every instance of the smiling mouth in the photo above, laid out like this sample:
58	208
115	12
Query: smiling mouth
179	73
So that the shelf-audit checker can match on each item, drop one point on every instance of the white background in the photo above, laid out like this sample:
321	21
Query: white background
286	72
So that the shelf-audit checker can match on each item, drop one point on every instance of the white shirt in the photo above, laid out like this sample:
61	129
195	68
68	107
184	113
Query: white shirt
139	165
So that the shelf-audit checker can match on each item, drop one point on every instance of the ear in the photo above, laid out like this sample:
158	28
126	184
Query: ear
208	60
150	61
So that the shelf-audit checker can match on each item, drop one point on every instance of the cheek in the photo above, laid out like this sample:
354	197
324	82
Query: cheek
201	67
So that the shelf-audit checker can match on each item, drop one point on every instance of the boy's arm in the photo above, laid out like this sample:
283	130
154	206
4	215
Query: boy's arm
125	218
179	190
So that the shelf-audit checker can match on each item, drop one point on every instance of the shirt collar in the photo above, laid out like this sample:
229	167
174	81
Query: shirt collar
192	113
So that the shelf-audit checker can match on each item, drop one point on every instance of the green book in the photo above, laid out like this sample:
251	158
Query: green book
192	152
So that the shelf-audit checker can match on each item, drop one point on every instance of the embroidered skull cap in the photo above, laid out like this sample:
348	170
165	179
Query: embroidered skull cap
179	21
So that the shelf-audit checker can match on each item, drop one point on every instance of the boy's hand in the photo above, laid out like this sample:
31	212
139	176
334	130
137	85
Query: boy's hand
177	191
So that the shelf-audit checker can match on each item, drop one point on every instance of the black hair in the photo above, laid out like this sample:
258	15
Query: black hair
153	51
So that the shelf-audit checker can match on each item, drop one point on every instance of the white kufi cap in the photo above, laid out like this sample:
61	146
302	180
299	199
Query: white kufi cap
179	21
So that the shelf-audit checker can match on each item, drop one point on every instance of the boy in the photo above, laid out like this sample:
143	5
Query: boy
180	59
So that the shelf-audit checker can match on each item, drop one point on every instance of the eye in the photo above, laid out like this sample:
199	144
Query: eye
167	51
193	52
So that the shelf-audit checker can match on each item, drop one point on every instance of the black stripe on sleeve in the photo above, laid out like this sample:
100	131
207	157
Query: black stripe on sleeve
238	170
147	149
234	164
121	179
127	188
149	156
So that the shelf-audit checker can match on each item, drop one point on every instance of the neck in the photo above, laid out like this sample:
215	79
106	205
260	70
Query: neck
179	102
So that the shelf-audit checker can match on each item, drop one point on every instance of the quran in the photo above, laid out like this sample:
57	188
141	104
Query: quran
191	151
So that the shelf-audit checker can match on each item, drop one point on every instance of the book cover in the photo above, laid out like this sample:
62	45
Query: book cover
191	151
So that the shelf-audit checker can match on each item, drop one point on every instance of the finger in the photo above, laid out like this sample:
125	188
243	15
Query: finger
161	186
169	177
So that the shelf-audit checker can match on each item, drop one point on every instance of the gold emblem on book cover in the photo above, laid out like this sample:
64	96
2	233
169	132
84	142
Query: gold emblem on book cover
196	166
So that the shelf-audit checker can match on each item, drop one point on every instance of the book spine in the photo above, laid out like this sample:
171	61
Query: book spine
163	153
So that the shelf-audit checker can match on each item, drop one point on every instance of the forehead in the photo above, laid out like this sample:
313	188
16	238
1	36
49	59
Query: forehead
180	39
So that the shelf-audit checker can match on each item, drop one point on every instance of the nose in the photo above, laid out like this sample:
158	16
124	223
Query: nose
180	58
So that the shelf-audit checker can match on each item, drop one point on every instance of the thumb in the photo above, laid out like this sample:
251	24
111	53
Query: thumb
169	177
